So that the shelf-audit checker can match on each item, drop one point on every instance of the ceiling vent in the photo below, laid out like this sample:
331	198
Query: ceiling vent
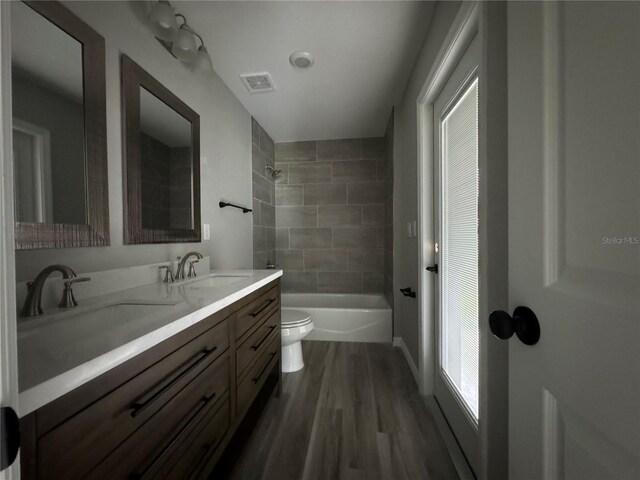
258	82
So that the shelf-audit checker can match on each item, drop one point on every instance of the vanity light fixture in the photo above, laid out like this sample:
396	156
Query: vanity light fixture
179	39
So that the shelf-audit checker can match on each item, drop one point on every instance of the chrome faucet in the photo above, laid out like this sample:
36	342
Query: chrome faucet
32	304
183	262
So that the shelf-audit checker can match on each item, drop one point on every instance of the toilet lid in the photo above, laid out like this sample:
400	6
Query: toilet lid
294	318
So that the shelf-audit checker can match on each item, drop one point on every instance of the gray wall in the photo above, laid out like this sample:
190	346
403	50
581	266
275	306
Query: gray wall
405	178
264	197
330	215
225	151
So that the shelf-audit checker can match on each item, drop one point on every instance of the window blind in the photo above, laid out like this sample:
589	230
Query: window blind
459	247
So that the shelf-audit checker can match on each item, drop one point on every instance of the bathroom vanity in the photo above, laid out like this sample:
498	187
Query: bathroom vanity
167	398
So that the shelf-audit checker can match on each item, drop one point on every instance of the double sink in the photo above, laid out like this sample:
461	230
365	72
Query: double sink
68	337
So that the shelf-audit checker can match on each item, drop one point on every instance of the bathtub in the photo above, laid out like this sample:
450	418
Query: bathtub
344	317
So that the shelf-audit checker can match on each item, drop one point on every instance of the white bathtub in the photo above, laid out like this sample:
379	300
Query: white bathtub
344	317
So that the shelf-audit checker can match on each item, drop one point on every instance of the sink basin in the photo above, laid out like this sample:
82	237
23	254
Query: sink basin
213	280
63	340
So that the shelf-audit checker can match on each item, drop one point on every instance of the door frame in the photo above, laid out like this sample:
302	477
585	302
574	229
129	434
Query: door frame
8	312
488	20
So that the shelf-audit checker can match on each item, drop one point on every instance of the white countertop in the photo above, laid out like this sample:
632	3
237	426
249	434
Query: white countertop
64	349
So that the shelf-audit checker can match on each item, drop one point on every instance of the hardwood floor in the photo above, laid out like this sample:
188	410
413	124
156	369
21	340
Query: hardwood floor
353	412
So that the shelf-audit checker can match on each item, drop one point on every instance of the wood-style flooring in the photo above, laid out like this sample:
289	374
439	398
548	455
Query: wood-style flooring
353	413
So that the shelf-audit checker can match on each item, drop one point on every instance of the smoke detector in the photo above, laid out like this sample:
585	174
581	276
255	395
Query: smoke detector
258	82
301	60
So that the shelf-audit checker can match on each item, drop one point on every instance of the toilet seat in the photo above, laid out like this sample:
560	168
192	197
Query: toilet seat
294	318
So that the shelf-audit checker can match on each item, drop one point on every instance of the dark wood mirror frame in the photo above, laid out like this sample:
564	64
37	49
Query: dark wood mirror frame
133	78
96	231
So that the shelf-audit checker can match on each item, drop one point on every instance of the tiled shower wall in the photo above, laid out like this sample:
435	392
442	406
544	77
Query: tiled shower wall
330	215
264	211
388	212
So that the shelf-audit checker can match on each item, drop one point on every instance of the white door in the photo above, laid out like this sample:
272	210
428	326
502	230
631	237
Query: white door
455	126
574	228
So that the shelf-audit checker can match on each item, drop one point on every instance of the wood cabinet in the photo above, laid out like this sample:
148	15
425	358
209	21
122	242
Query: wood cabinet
166	413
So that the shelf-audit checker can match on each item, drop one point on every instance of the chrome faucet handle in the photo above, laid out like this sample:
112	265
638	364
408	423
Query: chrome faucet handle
192	269
168	274
68	300
271	266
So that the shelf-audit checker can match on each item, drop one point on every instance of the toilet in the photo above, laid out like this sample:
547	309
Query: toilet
295	325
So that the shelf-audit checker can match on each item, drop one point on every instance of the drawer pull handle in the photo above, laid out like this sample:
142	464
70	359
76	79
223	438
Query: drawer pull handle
257	345
261	309
201	459
264	369
147	473
142	404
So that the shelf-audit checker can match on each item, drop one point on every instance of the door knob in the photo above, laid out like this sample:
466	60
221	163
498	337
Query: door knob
433	269
524	324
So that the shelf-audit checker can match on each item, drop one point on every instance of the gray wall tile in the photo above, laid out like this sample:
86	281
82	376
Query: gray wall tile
259	239
325	260
339	215
268	214
282	238
296	152
347	149
355	237
290	259
310	238
289	195
373	215
362	193
354	171
261	188
256	212
366	260
313	172
255	132
325	194
293	281
303	216
373	148
339	282
372	282
267	145
258	160
270	241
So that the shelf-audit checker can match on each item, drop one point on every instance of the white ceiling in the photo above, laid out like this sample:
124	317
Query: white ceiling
364	52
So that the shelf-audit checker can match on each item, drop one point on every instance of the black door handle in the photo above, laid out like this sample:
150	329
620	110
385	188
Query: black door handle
9	436
433	269
524	324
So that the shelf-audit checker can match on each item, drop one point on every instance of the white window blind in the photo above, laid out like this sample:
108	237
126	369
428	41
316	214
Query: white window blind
459	247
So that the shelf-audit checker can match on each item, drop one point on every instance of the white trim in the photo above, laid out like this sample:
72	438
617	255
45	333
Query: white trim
453	449
464	28
399	342
8	335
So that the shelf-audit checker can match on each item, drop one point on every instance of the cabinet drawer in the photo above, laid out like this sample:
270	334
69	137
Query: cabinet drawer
257	341
257	374
146	453
71	450
257	310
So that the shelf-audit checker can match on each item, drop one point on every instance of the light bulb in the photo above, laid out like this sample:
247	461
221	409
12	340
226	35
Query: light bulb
184	46
163	21
202	62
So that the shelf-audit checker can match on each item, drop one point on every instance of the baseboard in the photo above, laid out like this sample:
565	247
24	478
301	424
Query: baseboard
399	342
455	453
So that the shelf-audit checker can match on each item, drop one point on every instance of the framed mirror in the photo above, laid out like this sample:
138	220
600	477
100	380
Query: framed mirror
59	128
161	161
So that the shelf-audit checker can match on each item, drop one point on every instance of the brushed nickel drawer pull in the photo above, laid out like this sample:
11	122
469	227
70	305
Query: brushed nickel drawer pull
264	369
158	458
142	404
261	309
257	345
